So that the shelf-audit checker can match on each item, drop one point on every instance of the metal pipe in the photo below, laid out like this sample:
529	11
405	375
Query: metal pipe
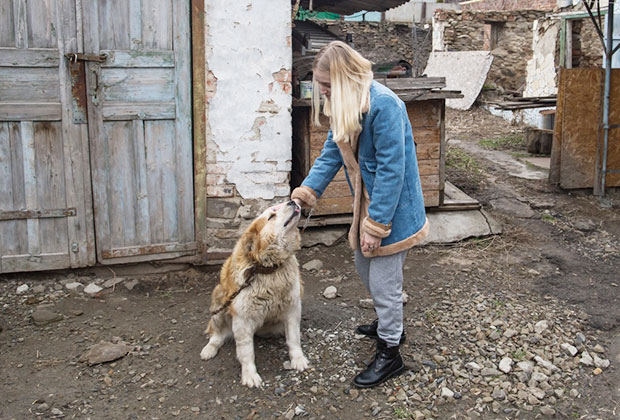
609	48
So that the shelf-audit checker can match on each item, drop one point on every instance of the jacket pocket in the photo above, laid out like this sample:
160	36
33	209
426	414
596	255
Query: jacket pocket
371	165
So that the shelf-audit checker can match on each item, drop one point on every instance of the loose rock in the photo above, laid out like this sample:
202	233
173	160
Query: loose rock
330	292
105	352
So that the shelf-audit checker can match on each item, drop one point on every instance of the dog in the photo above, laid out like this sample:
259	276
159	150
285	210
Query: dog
260	291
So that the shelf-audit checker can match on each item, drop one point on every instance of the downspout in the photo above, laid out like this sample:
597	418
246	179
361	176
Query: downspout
609	48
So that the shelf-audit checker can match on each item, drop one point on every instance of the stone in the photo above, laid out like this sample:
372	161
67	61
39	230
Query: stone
568	349
573	393
526	366
541	326
223	208
112	282
57	413
74	285
498	394
21	289
401	395
418	415
446	393
586	359
327	236
601	363
505	365
405	298
538	377
330	292
473	366
41	317
545	364
105	352
279	390
129	285
38	289
490	372
354	393
92	289
509	333
366	304
494	335
537	392
559	393
599	349
597	371
313	265
547	411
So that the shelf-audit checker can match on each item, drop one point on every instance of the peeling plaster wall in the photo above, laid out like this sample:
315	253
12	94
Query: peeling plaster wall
541	68
249	74
248	114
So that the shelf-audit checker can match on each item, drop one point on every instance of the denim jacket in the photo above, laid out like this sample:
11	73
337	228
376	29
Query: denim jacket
390	203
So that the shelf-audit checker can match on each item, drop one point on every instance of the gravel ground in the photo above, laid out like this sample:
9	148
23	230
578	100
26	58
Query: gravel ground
518	326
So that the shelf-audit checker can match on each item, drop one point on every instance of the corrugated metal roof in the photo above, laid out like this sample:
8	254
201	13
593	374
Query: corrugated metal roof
348	7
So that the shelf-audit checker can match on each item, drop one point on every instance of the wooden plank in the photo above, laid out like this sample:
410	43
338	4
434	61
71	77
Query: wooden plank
427	135
150	249
158	24
18	263
152	134
138	85
10	57
8	229
429	182
428	167
122	111
42	84
336	205
30	111
42	24
428	151
19	193
7	25
178	24
135	24
199	122
30	185
337	189
90	23
136	59
34	214
431	198
424	113
113	24
141	203
20	13
50	185
120	190
80	227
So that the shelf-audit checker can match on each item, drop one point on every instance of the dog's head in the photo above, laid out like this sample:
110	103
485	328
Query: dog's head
273	236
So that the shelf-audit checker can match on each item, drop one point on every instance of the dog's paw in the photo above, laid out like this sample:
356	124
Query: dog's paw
252	380
208	352
300	363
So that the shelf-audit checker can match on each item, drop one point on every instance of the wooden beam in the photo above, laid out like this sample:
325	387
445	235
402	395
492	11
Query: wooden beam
199	125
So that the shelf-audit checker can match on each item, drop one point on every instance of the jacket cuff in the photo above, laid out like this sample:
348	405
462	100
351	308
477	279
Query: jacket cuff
377	229
305	194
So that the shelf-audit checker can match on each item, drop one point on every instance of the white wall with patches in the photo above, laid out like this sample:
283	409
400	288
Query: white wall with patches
248	64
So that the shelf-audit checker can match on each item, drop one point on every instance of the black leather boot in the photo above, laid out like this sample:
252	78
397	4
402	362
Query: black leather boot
386	364
370	330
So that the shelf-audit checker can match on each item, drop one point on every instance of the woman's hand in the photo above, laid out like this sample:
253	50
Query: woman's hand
369	242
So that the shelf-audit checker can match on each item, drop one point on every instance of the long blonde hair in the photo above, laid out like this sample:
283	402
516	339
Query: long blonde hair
350	77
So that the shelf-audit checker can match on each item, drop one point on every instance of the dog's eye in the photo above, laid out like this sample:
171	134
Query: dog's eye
271	216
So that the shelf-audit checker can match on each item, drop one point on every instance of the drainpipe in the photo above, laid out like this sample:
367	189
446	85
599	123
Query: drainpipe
609	47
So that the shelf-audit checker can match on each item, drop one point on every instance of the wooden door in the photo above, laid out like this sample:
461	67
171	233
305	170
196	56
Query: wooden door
45	205
140	128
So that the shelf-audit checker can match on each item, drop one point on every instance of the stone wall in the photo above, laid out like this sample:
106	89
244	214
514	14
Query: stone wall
511	44
248	132
591	46
386	41
511	5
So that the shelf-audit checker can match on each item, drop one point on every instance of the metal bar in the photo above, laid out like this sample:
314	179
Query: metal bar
606	99
36	214
596	25
615	49
613	171
73	57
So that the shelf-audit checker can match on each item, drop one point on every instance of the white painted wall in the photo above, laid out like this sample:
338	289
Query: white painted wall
249	120
540	79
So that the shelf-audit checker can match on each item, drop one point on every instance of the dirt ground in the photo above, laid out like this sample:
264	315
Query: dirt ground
550	279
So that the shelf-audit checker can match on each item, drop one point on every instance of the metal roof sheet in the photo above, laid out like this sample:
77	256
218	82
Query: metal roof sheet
348	7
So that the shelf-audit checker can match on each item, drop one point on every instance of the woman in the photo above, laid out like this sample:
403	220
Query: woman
371	135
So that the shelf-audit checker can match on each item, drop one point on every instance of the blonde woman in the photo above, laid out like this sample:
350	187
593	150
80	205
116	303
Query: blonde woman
371	135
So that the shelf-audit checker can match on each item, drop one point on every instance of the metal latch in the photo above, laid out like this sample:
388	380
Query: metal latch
75	57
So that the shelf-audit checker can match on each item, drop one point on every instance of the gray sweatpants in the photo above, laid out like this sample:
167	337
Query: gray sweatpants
383	278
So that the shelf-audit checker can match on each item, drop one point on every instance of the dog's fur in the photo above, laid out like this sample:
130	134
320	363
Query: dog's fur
272	303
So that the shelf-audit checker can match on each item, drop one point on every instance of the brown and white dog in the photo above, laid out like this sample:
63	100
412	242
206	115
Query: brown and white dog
264	258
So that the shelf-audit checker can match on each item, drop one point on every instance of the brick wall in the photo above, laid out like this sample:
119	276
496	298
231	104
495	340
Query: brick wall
545	5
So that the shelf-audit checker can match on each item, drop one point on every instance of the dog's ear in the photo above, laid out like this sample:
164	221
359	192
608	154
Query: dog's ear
253	242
